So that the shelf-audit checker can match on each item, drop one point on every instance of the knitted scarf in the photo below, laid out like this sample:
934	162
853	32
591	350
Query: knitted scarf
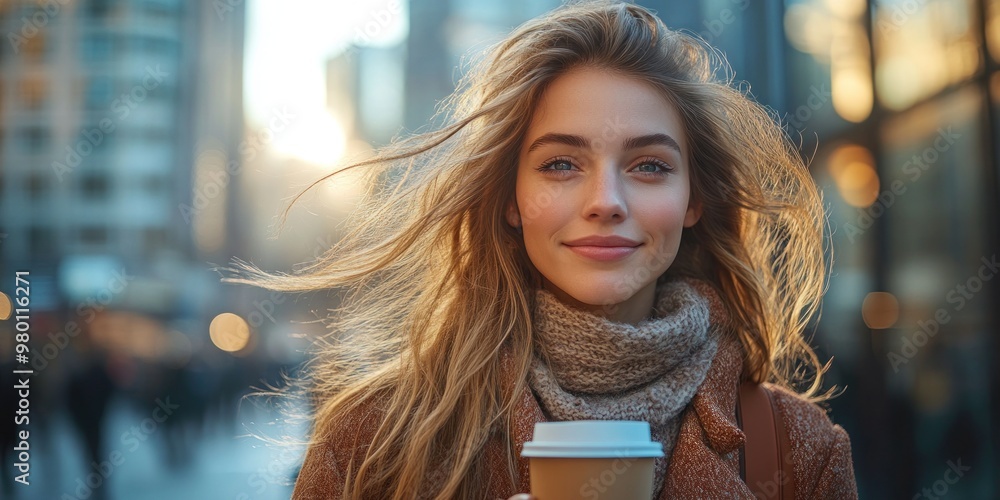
598	369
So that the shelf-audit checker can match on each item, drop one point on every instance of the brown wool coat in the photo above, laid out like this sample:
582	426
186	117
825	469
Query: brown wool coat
704	463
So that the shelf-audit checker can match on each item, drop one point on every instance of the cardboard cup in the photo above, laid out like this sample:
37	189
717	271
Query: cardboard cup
592	459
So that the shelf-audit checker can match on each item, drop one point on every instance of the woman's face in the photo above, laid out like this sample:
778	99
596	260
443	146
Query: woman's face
604	156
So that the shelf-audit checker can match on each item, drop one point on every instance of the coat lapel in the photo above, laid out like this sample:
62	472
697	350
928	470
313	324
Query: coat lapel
705	461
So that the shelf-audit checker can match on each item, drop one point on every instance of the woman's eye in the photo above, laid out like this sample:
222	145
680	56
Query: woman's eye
653	167
647	167
556	166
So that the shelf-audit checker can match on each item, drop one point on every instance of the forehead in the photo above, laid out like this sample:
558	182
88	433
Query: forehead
598	103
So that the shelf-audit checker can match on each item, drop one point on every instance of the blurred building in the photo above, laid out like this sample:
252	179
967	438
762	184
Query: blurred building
217	137
444	36
107	109
365	91
900	97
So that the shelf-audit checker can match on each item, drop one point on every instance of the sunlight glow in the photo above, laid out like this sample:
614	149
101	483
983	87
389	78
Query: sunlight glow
316	137
289	42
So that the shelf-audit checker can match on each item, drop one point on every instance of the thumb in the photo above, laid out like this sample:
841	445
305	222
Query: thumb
522	496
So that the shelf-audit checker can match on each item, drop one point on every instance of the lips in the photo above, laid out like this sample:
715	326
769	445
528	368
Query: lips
603	254
603	241
603	248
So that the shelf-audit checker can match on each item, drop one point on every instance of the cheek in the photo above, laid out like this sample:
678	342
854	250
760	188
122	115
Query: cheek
664	222
664	215
540	204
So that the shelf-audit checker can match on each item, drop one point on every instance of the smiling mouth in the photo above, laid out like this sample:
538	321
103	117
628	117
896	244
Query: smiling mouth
602	253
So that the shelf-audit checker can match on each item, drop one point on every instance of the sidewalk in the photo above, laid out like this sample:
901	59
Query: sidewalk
220	466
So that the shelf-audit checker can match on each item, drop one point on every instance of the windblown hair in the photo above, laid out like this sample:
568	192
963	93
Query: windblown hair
438	281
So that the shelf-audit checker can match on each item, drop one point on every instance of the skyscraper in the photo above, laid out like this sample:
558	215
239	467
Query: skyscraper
104	108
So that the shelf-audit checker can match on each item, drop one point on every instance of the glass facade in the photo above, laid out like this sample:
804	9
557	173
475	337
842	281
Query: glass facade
905	154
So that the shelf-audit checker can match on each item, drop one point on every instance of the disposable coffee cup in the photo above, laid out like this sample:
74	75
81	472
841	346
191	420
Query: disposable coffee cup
592	459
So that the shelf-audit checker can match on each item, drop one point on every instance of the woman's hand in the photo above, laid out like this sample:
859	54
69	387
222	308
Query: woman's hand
522	496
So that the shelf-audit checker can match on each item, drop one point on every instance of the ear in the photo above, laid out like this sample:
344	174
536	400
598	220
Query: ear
693	213
513	215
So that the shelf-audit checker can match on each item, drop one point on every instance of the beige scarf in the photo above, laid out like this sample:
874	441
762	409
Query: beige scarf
599	369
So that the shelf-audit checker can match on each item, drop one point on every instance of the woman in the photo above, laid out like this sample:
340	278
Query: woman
601	230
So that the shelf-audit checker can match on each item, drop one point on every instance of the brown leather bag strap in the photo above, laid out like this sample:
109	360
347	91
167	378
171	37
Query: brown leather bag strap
765	464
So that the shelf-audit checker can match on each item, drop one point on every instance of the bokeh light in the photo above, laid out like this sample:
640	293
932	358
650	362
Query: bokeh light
853	170
880	310
229	332
5	306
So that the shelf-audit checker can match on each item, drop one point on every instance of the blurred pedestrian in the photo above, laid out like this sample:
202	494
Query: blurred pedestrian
89	390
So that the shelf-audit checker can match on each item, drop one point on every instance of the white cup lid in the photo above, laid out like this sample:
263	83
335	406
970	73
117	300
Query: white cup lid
592	439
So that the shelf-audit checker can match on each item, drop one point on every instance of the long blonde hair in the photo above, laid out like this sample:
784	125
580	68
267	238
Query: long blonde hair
438	282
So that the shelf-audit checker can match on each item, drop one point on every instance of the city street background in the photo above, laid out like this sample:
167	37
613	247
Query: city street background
144	143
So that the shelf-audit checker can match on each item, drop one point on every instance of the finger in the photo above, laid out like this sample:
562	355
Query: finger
522	496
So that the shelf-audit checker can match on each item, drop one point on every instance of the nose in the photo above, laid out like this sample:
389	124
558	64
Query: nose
606	196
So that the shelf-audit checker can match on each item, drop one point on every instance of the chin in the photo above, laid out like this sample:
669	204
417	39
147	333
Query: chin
600	293
595	287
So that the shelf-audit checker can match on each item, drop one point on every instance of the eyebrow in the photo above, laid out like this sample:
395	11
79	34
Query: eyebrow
628	143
